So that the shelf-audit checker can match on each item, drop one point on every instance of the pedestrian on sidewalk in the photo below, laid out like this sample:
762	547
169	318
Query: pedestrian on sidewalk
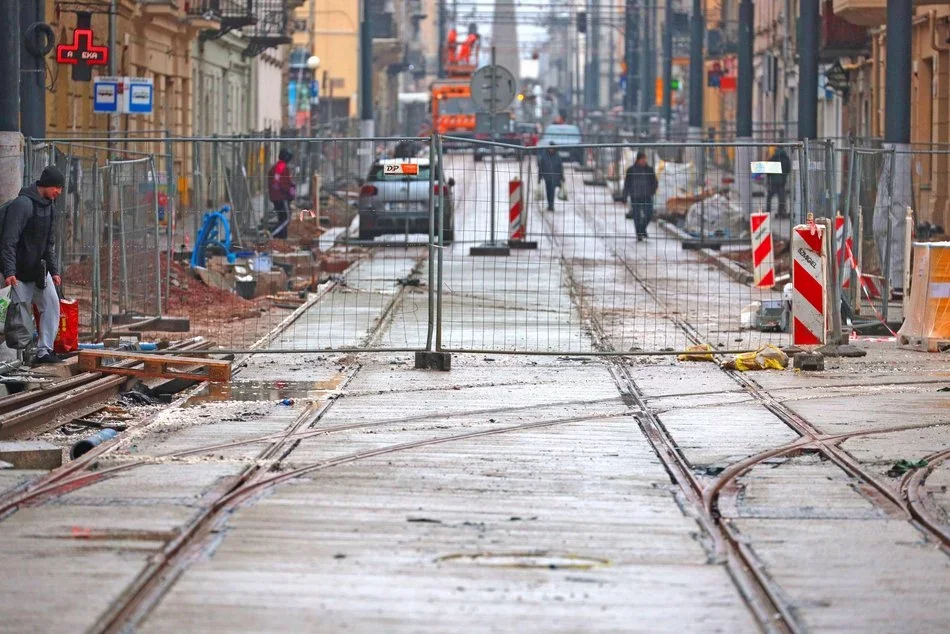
777	183
639	187
28	255
282	191
551	171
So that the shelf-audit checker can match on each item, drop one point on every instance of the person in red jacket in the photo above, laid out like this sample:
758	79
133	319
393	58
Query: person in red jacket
282	191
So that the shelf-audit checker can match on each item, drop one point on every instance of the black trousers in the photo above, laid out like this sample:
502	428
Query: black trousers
282	211
782	198
550	189
642	214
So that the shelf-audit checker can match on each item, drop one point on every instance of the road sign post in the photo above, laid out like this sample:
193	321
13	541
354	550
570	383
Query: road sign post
493	88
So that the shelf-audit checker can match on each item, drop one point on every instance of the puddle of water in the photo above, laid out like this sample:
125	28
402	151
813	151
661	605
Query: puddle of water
262	391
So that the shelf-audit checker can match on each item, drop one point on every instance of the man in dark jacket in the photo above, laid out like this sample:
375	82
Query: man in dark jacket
551	171
28	255
282	191
777	183
639	187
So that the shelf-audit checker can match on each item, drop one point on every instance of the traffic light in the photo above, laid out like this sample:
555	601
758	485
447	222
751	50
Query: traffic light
582	21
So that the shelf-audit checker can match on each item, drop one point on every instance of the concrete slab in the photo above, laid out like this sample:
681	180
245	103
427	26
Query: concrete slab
31	454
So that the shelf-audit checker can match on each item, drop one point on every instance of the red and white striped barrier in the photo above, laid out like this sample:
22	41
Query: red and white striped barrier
808	286
763	258
845	255
516	221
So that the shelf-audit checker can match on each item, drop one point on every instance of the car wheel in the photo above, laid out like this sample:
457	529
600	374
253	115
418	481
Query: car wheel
366	234
448	236
477	158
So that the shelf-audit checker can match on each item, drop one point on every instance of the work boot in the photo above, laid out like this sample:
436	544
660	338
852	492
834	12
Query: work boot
46	357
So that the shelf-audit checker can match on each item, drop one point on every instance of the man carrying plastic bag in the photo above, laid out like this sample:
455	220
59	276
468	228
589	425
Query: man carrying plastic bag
28	261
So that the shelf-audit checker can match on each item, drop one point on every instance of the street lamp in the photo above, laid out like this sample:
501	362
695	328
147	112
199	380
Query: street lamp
313	63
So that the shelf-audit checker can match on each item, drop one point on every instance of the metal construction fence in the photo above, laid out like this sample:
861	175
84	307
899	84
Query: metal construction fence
157	228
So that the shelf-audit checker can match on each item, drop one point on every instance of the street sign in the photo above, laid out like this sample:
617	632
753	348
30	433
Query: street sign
139	94
105	92
493	81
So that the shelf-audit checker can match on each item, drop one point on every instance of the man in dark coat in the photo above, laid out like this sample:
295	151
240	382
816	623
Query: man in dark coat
282	191
551	171
777	183
28	255
639	187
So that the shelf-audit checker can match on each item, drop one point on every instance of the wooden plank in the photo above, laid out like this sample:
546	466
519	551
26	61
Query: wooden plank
169	367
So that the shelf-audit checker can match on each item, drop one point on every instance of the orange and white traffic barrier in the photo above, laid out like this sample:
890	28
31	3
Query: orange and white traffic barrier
763	257
516	221
808	285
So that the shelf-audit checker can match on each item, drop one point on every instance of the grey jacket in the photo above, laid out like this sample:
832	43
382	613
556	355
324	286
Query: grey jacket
28	237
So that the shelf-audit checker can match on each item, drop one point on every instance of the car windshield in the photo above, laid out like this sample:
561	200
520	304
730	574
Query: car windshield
456	105
562	134
377	174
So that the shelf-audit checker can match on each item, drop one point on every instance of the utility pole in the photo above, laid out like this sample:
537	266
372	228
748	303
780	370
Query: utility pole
11	141
32	76
668	69
808	70
696	87
113	14
648	92
367	124
441	44
631	44
595	55
900	15
696	71
744	105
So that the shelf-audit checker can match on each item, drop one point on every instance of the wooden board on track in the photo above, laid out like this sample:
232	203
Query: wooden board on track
157	366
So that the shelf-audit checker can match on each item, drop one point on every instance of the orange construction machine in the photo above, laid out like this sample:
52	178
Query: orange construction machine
453	112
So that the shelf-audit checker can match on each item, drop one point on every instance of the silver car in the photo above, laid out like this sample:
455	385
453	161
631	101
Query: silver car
395	199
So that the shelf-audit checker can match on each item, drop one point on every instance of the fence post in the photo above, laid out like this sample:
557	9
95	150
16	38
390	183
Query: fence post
832	290
849	213
158	250
440	251
96	321
113	195
908	256
434	165
886	294
171	207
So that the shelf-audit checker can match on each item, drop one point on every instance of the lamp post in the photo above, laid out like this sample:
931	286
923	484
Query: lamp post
313	63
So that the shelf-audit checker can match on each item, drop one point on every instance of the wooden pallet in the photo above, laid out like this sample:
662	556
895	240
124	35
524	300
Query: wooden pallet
923	344
169	367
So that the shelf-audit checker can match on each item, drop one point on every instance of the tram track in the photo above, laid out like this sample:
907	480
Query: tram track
766	602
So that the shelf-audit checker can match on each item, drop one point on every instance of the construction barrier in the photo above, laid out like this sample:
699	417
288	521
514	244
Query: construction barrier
927	322
808	286
763	257
845	254
516	222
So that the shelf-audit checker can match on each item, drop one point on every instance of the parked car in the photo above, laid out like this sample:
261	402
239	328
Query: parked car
395	198
564	134
771	316
530	133
510	137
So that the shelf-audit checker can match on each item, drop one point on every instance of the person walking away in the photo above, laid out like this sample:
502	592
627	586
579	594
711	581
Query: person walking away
639	187
551	171
281	190
777	183
28	255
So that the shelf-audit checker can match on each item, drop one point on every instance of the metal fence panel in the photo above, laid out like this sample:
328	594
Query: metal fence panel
591	286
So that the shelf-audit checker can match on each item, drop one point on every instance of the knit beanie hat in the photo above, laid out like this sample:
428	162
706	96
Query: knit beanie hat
51	177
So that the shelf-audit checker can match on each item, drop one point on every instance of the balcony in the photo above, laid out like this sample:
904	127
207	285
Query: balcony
204	15
270	29
840	38
870	13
